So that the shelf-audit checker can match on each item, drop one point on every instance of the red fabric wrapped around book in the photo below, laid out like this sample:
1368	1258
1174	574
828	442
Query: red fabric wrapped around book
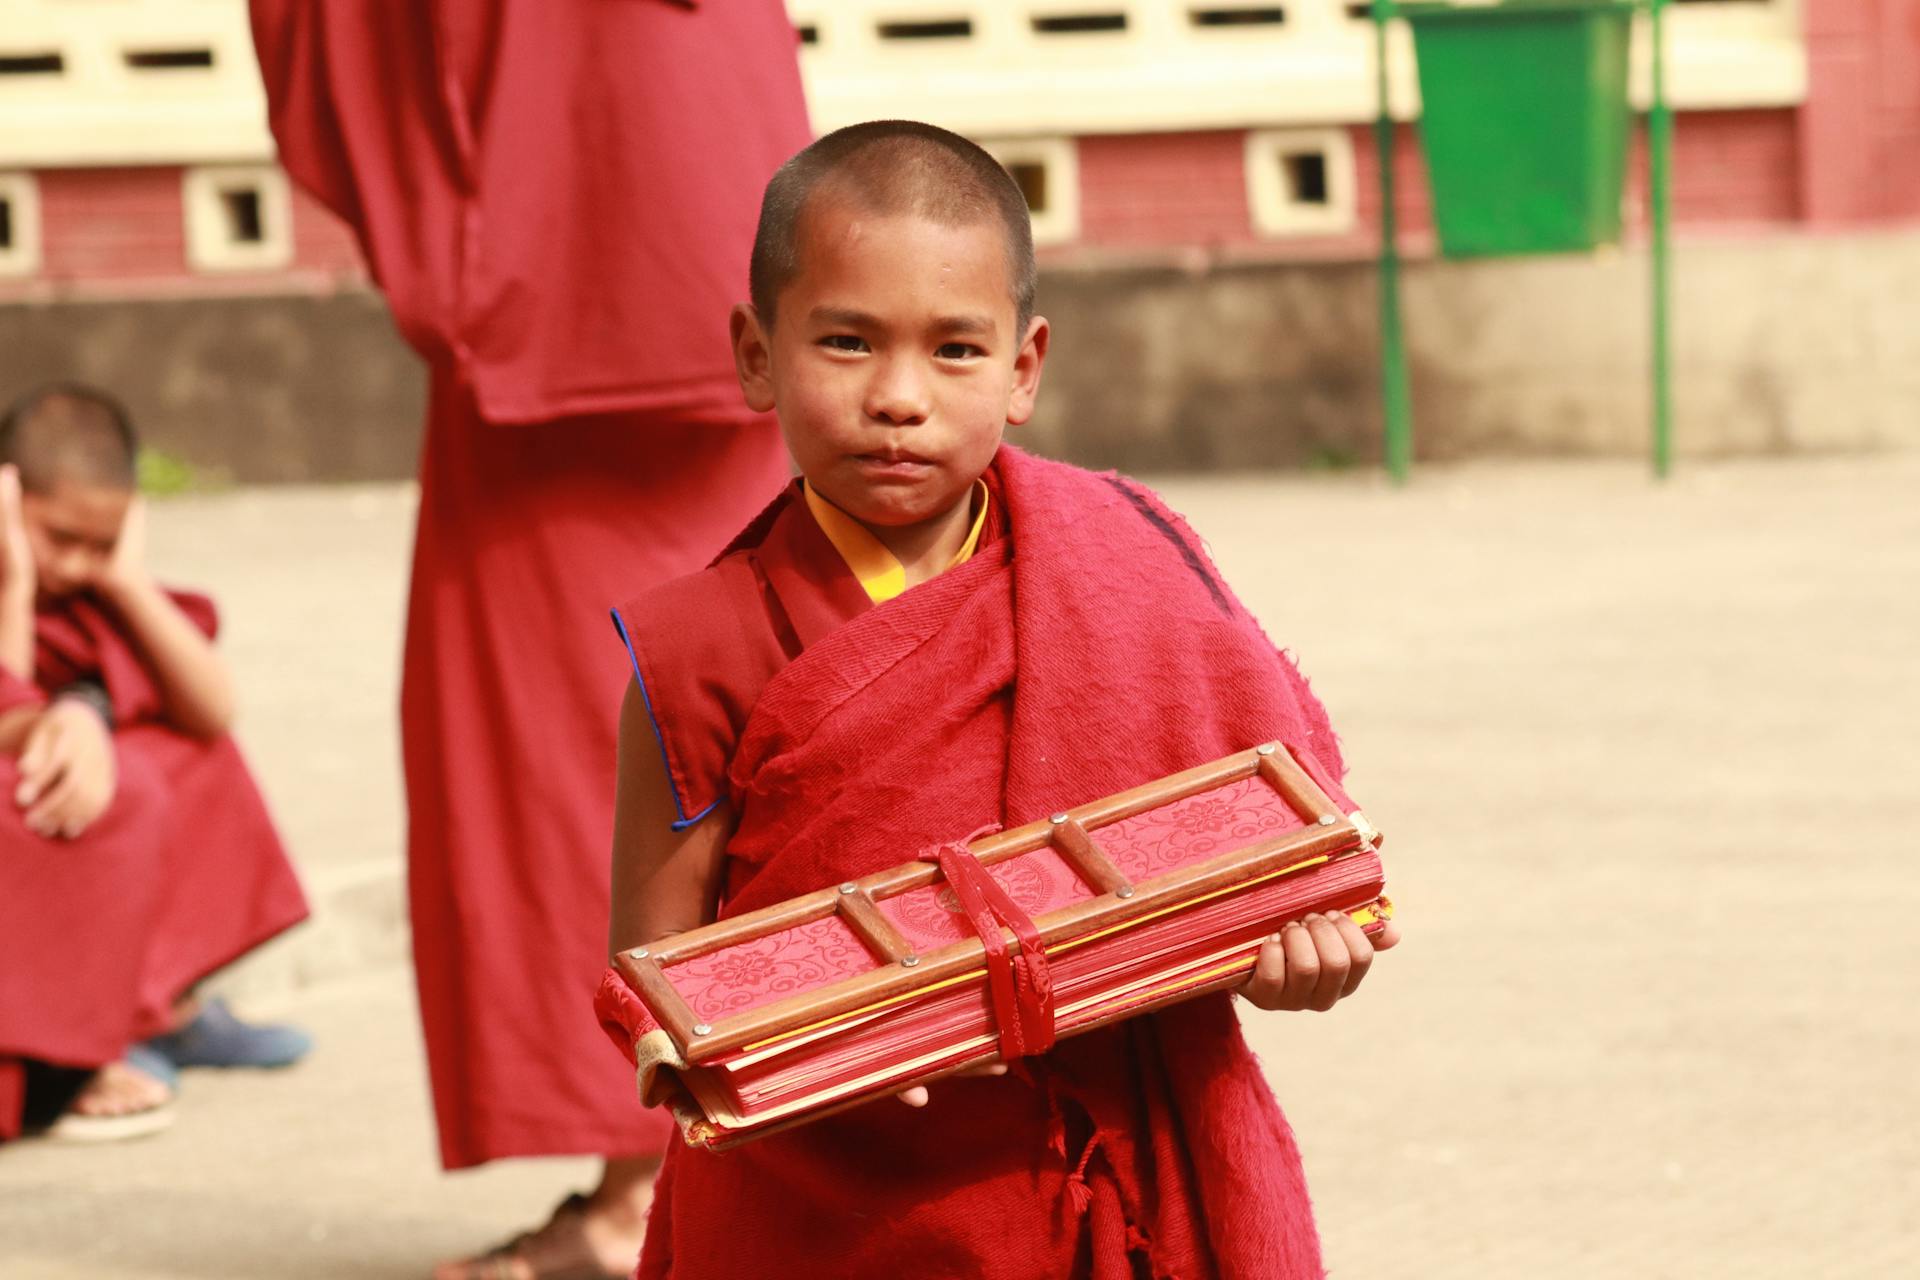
989	949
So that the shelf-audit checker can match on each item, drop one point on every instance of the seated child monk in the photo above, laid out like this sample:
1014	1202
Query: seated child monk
136	854
927	632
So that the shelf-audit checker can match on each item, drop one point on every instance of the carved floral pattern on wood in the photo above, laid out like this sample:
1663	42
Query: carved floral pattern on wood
1197	828
749	974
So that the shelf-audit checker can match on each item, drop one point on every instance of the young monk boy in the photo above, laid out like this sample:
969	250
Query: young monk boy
136	855
928	632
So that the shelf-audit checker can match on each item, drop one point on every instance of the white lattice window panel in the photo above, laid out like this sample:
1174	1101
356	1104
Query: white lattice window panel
19	224
239	218
1048	172
1300	182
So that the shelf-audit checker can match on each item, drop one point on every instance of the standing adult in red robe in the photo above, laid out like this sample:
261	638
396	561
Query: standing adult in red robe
558	200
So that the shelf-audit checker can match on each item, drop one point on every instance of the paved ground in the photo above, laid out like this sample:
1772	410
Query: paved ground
1648	761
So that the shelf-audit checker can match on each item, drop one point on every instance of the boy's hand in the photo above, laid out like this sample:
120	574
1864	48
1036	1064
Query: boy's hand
17	577
67	770
127	566
916	1095
1315	963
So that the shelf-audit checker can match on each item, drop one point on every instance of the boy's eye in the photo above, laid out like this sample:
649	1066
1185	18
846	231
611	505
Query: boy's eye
843	342
957	351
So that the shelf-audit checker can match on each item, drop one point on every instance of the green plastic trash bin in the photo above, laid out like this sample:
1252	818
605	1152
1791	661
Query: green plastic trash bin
1524	120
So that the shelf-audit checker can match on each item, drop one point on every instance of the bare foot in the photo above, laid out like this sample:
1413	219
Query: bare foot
119	1089
603	1230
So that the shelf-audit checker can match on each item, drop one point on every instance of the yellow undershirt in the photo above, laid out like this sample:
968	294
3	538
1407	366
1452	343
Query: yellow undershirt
880	572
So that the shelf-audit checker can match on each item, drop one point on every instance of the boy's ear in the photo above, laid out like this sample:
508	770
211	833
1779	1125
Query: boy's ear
752	356
1026	371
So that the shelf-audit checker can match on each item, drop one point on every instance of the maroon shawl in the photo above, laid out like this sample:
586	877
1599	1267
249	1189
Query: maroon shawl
1094	649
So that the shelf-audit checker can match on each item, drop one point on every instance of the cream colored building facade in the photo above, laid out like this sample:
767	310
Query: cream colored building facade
104	83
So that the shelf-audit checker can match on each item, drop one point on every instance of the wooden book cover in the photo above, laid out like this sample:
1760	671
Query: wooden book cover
1153	895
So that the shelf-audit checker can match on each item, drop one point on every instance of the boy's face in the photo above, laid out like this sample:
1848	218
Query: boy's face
73	529
894	365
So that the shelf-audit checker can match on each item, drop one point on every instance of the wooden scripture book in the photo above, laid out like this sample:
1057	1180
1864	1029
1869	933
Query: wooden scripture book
990	948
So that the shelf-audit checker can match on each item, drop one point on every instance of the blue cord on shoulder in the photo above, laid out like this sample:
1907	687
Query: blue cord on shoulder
683	821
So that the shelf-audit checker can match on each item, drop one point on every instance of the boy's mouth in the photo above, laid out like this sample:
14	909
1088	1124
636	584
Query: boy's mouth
893	463
891	456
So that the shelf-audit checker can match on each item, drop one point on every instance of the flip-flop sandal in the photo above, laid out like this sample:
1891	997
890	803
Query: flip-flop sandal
216	1038
74	1126
556	1251
150	1063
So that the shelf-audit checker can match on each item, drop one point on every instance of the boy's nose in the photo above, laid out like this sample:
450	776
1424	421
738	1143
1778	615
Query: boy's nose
897	395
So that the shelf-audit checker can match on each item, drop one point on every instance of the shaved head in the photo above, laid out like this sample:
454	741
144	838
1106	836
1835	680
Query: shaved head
69	433
892	168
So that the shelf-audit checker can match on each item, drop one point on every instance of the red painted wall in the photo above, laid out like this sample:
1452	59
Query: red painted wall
128	226
1860	126
1731	169
111	224
1156	189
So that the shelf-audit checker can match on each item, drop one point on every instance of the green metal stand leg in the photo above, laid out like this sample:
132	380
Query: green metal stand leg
1395	399
1660	196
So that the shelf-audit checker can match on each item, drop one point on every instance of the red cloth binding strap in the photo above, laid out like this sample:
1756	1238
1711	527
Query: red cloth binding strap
1021	988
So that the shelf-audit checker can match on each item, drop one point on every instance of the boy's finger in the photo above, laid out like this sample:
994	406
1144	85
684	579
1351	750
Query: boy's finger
1335	964
985	1069
54	807
33	756
1303	965
46	771
1359	952
913	1097
1270	967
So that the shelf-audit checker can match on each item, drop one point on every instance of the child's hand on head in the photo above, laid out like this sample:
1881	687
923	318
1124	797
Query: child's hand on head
16	552
1315	963
127	566
67	770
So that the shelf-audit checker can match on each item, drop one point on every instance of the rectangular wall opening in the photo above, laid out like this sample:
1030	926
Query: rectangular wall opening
931	29
1238	16
1306	177
169	59
244	221
1069	24
1031	177
32	64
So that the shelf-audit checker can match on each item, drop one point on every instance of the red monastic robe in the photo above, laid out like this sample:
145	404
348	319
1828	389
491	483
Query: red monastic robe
1091	648
184	873
559	202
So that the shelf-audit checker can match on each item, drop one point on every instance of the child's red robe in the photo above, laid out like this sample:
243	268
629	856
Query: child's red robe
1091	648
182	874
